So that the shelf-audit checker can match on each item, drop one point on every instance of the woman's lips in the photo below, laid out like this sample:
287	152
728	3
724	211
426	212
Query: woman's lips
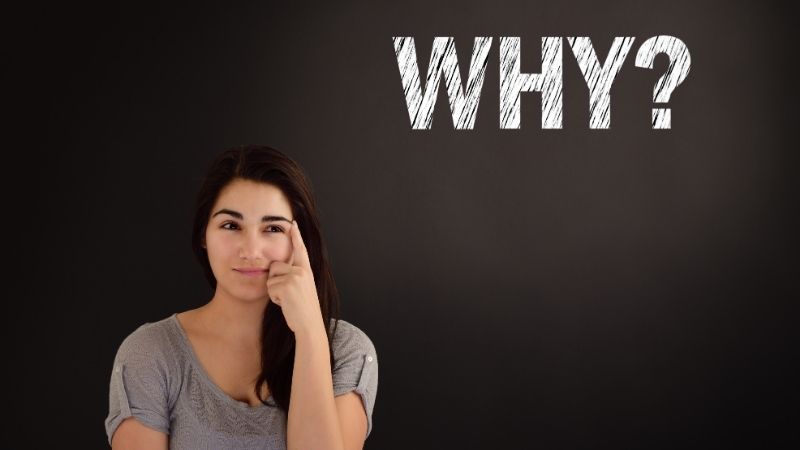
252	272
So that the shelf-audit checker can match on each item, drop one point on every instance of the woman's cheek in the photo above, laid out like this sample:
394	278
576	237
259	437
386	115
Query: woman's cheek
281	248
221	249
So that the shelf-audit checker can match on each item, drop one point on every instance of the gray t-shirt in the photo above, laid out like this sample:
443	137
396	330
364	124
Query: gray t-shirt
158	379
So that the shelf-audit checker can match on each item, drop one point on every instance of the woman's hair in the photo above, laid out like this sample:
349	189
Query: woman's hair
267	165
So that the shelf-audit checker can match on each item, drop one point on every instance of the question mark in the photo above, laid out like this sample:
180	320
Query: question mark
679	63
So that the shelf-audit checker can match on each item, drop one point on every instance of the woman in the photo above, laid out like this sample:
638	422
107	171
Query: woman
255	367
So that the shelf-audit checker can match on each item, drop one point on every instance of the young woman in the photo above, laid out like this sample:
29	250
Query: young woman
255	367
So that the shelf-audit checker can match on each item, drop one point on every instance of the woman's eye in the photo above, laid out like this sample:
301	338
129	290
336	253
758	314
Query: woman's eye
233	226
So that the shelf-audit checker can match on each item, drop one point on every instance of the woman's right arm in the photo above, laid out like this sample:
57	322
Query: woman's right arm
138	406
132	435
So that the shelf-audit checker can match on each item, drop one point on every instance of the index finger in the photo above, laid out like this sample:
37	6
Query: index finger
298	247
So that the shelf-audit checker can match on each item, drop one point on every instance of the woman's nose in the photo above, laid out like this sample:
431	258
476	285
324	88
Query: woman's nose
253	248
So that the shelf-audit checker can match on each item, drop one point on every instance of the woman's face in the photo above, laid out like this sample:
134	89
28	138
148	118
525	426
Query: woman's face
248	229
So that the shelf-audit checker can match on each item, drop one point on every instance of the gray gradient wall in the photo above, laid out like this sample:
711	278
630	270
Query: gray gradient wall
534	288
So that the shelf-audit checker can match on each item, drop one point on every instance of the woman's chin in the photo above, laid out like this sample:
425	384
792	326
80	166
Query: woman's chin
245	293
253	297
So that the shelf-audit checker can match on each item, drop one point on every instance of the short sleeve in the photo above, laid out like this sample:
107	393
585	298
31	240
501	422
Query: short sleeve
355	366
138	386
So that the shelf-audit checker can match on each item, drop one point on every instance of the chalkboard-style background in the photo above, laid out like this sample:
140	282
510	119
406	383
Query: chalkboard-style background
555	289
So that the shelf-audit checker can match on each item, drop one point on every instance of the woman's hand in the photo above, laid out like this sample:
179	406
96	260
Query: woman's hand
291	286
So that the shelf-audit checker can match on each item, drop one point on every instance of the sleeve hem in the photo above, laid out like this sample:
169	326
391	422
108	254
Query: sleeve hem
145	417
113	424
361	389
363	395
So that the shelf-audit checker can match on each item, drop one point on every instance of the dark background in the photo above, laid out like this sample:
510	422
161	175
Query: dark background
558	289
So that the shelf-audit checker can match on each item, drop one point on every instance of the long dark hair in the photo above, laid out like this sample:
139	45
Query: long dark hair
264	164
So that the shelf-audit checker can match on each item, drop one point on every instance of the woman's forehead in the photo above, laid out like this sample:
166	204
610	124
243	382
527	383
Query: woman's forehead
252	198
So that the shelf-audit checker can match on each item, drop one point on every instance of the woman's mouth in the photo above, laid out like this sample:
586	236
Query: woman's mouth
252	272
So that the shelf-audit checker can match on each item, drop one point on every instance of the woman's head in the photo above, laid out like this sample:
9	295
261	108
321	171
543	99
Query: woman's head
248	229
242	216
265	174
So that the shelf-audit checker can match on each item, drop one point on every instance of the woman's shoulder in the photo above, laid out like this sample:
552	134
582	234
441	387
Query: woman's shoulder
152	339
350	339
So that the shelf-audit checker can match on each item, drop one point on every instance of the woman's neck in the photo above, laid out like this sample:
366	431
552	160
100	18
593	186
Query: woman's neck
236	321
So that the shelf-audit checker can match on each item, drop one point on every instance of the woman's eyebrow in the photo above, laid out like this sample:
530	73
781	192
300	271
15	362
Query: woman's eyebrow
239	215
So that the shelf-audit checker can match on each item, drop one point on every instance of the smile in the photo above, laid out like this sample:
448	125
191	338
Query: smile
252	273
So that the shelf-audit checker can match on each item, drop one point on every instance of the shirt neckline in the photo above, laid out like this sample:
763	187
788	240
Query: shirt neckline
207	379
